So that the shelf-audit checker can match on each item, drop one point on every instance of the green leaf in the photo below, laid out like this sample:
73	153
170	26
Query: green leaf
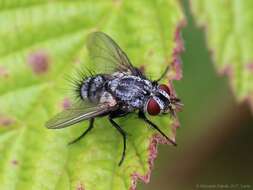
41	43
229	28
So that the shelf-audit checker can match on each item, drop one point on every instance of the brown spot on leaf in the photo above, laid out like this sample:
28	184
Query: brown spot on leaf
5	121
66	103
250	67
151	52
227	70
14	162
3	72
39	62
80	186
77	61
117	3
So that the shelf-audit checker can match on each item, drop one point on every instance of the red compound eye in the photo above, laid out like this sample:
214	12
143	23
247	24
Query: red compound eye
153	107
164	88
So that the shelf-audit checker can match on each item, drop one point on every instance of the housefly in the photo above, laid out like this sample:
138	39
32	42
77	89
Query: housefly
117	89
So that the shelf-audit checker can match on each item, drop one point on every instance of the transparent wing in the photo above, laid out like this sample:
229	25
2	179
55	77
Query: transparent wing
107	55
76	113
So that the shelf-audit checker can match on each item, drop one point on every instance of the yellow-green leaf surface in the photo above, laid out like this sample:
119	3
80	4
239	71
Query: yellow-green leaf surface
42	42
229	28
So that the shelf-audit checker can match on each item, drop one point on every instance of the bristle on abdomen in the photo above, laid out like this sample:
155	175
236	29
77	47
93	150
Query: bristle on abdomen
77	80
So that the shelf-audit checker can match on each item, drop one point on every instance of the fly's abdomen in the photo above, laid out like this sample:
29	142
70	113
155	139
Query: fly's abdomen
93	88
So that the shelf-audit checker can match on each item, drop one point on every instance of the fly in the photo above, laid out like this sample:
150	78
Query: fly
117	89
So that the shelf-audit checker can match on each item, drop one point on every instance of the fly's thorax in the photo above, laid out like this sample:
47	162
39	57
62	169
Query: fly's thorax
131	90
130	82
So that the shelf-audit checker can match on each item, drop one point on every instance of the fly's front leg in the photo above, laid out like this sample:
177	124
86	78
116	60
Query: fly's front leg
91	125
146	120
163	74
123	133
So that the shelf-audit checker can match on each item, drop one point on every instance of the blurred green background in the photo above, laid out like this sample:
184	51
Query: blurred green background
215	139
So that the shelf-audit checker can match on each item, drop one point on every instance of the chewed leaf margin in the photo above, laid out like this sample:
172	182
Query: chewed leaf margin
174	74
237	65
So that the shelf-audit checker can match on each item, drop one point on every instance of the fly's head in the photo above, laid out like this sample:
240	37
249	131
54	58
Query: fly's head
162	101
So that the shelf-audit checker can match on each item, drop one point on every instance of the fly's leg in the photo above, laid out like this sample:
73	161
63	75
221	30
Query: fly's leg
123	133
91	125
163	74
146	120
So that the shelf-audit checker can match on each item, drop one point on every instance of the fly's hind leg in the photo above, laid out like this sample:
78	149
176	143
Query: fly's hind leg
91	125
123	133
146	120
